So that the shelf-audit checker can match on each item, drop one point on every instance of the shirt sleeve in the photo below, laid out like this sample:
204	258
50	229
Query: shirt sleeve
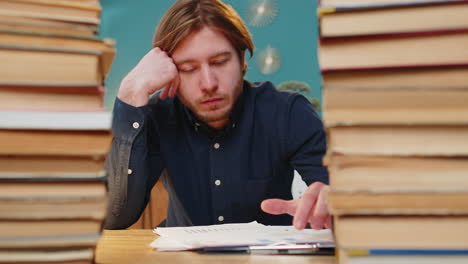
306	141
133	164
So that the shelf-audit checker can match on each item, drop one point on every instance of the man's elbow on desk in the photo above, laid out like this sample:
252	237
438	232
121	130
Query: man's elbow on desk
120	219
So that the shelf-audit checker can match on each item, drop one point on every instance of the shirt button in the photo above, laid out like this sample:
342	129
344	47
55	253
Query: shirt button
136	125
220	218
216	145
233	125
218	182
129	171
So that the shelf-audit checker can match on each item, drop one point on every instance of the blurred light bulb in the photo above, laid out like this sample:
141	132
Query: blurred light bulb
268	60
261	9
261	12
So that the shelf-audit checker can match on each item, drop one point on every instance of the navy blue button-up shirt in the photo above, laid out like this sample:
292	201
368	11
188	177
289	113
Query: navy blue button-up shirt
212	176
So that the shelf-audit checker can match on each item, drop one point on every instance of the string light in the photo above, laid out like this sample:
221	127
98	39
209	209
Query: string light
261	12
268	60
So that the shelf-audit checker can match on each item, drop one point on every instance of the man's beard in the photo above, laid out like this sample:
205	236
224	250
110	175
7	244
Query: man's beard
211	116
208	117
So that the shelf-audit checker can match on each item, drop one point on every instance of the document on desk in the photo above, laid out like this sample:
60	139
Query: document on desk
236	235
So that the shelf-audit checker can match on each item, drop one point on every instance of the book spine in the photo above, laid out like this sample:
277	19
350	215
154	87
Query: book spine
406	252
324	9
399	67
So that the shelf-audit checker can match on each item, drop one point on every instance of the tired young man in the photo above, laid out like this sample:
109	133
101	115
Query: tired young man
224	147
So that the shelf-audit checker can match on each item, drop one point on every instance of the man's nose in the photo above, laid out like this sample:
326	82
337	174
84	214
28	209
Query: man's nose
208	79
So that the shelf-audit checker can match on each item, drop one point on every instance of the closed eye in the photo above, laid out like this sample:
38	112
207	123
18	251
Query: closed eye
220	59
217	63
186	69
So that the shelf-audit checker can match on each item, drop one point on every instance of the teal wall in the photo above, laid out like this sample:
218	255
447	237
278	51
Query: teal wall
293	32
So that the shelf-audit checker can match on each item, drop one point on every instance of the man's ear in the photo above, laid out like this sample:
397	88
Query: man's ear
243	63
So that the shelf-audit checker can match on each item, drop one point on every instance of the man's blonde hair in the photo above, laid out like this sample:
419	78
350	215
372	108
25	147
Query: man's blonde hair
186	16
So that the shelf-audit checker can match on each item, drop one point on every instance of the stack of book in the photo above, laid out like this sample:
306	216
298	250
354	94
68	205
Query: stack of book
54	131
395	87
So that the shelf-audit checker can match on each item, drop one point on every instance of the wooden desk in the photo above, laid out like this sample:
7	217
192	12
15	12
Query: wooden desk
132	247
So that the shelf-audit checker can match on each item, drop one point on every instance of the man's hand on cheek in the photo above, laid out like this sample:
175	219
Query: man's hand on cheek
155	71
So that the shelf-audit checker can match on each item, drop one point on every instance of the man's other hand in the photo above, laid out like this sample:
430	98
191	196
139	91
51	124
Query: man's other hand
310	208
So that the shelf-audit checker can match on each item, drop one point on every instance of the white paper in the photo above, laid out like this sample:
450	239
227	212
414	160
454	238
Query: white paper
249	234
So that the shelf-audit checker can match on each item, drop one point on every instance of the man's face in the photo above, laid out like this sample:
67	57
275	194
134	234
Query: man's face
210	75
